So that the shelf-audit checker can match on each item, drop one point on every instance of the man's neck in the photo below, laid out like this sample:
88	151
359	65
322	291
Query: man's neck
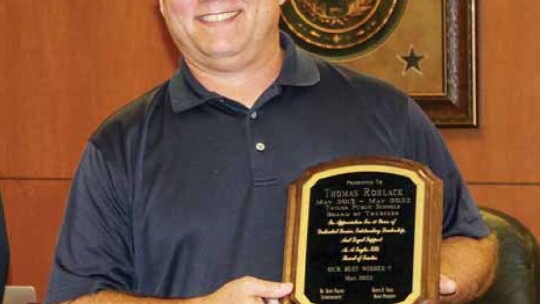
243	85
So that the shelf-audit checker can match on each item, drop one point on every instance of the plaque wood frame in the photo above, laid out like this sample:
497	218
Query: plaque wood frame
426	278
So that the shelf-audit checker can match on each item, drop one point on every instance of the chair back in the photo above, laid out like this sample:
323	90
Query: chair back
518	274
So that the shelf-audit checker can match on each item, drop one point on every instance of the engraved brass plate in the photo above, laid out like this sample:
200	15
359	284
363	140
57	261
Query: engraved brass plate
341	29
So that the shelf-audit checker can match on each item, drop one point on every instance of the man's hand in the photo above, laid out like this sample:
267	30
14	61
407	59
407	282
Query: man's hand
249	290
246	290
468	266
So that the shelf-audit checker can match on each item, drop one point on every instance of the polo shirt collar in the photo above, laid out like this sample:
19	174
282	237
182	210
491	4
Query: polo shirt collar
298	69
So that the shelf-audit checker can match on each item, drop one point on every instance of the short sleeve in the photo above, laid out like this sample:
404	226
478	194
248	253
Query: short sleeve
425	145
94	250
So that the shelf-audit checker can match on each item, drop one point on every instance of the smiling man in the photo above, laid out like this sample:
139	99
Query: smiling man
228	45
180	197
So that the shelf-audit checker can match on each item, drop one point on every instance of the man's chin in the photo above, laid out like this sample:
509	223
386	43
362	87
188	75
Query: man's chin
220	52
225	58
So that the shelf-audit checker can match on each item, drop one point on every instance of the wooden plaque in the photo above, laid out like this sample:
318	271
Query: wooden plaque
363	231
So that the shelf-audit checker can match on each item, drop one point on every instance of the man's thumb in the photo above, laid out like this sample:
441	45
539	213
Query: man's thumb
446	286
268	289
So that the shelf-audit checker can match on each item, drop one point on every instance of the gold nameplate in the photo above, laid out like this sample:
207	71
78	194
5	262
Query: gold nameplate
364	230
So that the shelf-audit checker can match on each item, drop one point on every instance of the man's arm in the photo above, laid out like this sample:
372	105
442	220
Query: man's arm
471	264
246	290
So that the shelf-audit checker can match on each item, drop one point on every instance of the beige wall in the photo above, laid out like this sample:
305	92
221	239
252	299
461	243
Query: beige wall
67	64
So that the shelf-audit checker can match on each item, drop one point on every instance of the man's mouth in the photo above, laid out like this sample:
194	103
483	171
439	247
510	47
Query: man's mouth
219	17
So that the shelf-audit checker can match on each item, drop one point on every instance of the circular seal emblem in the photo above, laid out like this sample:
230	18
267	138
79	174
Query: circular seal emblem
341	29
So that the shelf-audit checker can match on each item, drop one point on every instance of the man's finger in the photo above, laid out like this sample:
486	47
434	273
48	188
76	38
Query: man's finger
447	286
266	289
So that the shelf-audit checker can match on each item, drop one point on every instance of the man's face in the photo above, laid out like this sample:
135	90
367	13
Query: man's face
218	29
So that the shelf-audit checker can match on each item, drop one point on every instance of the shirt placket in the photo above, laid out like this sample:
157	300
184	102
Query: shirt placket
260	141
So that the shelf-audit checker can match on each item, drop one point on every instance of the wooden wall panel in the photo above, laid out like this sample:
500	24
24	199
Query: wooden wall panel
65	66
501	159
506	147
518	201
33	211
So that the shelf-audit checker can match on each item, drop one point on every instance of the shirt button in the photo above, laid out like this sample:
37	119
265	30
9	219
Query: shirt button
260	147
253	115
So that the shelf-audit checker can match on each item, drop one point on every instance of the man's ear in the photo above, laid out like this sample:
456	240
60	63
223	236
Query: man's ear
161	6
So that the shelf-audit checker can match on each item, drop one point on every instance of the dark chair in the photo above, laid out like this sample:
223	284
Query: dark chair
518	274
4	251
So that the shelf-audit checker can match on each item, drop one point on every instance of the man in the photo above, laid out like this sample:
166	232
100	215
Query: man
181	196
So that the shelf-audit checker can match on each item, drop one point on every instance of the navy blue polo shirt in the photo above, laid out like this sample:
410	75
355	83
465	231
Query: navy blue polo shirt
184	190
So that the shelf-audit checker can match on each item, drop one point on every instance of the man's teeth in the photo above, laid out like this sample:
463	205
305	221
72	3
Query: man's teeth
218	17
